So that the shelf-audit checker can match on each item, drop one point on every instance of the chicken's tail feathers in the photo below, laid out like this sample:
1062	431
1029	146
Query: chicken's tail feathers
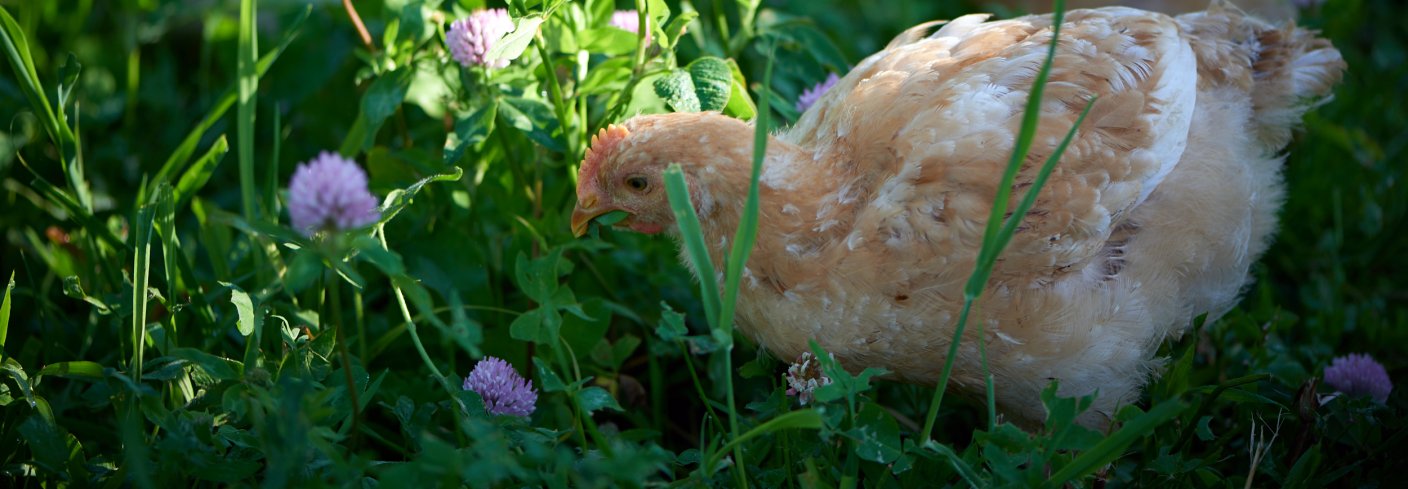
1295	72
1286	69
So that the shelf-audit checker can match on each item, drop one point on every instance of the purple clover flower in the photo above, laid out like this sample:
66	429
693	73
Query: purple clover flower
471	38
1357	374
804	376
629	20
503	390
330	191
811	95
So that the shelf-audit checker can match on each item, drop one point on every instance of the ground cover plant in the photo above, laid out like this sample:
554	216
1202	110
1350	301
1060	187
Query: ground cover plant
380	285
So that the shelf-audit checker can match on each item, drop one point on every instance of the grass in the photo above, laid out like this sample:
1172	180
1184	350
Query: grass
163	327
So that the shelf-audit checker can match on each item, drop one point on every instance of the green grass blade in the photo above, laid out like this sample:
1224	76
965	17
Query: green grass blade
808	419
199	173
247	58
165	205
16	46
1110	448
141	268
5	314
747	234
991	243
693	236
188	145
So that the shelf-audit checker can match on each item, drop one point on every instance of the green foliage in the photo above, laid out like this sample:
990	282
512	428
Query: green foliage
246	353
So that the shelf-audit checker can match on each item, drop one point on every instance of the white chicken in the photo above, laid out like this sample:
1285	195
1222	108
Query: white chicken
873	205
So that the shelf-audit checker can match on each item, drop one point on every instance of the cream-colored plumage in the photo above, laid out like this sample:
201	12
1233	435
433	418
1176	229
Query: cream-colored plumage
873	205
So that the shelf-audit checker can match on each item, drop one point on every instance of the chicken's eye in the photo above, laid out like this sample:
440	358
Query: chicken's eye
637	183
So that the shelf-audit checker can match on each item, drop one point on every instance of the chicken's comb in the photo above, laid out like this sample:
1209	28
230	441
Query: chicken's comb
603	144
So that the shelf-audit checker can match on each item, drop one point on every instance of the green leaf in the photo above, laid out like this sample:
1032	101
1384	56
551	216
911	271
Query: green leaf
13	40
45	442
74	288
677	89
371	251
534	117
385	96
877	435
548	380
1110	448
610	41
805	419
219	368
68	78
693	237
671	324
79	369
5	313
594	399
843	384
465	332
470	130
398	199
15	371
541	326
244	307
713	82
1203	431
227	98
199	173
1304	469
512	45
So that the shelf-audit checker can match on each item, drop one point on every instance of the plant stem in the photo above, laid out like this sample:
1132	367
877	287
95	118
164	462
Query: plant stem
357	23
334	290
411	324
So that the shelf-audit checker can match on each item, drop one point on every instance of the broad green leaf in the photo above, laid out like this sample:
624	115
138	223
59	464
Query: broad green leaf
541	326
548	380
244	307
610	41
219	368
385	96
594	399
1303	471
671	324
13	369
371	251
45	442
713	82
877	435
534	117
470	130
514	43
677	89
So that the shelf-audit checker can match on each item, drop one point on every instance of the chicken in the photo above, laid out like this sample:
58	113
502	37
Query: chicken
1272	10
873	205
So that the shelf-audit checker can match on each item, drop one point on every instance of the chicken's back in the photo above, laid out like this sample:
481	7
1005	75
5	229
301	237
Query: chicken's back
1154	215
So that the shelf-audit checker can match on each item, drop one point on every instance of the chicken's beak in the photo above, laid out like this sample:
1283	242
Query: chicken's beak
584	213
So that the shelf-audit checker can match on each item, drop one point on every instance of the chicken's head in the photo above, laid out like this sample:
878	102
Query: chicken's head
623	169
